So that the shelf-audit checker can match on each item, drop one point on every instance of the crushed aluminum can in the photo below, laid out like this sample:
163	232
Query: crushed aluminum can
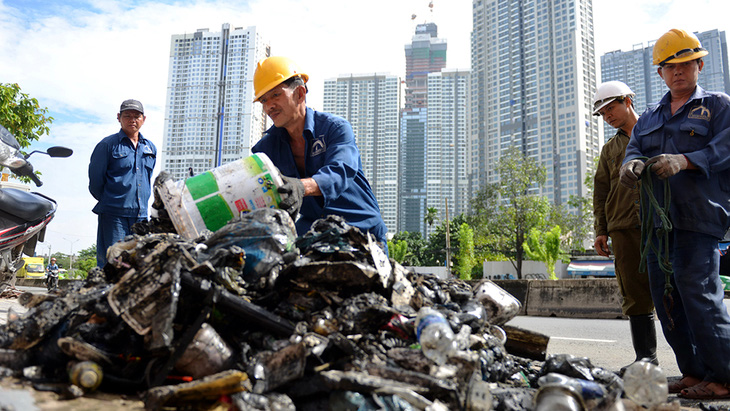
557	397
500	305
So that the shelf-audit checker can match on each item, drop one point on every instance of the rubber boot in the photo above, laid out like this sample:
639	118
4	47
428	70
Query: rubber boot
643	336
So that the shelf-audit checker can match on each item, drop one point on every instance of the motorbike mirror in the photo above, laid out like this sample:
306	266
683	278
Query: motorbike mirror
58	151
7	138
55	151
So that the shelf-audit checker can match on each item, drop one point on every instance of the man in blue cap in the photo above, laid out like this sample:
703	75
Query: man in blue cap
120	171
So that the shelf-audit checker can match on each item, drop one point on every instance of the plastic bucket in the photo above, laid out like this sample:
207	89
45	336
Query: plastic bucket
210	200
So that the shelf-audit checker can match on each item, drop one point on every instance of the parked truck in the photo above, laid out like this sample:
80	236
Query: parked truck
34	267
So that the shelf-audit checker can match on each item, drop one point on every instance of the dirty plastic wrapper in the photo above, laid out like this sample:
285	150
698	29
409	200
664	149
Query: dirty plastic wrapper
569	365
265	235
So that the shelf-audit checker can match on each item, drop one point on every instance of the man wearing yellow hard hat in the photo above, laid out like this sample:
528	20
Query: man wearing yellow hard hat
315	152
686	138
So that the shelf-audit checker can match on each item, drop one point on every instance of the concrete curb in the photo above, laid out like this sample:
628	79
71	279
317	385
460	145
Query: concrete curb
40	282
572	298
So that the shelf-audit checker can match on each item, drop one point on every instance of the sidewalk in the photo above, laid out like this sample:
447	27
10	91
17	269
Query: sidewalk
9	303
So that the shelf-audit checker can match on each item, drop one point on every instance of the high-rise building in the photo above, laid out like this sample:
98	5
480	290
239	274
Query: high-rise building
636	69
372	103
446	136
532	84
425	54
210	117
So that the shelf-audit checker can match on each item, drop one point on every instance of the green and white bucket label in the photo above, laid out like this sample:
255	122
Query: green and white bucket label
230	190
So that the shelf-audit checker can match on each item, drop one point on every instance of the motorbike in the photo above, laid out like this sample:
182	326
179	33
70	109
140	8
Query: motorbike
52	279
24	215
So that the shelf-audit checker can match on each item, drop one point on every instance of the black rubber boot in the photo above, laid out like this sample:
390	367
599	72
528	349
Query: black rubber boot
643	336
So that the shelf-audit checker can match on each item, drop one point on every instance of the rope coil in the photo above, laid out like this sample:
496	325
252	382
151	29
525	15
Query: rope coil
649	208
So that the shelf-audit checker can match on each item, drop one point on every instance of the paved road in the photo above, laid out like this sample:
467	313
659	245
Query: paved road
7	304
607	343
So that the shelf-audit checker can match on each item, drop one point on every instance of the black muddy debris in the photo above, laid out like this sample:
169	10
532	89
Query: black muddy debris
259	319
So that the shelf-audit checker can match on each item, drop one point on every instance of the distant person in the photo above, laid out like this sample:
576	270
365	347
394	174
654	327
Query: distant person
119	178
617	215
315	152
52	265
686	138
50	268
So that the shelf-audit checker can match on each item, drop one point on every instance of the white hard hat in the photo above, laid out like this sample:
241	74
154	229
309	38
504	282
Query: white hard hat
608	92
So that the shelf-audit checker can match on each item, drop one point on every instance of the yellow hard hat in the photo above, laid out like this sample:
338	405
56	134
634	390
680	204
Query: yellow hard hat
272	71
677	46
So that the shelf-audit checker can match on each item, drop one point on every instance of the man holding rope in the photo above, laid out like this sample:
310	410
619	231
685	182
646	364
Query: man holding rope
686	138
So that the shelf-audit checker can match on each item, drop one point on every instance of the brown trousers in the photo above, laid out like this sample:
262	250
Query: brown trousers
634	285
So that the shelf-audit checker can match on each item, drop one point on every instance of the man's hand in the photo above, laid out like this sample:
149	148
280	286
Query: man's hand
294	191
667	165
630	172
601	246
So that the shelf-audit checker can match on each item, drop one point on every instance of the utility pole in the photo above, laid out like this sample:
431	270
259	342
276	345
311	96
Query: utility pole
448	242
49	252
71	257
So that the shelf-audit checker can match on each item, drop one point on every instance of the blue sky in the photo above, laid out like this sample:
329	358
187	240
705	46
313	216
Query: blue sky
82	58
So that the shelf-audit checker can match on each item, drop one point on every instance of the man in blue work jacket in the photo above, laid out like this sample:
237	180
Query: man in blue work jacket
686	138
315	152
119	178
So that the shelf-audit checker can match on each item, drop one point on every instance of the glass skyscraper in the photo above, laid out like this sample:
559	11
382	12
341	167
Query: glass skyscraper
532	84
425	54
210	117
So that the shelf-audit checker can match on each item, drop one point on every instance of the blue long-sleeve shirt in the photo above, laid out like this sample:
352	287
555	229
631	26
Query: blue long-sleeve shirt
333	161
119	175
700	129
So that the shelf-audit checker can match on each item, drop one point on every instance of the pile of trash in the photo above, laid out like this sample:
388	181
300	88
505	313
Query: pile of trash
256	318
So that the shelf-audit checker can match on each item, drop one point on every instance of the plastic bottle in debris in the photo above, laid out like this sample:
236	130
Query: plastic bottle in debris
587	389
85	374
434	334
645	384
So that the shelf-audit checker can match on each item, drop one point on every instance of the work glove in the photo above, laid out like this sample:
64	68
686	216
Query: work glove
293	191
630	172
667	165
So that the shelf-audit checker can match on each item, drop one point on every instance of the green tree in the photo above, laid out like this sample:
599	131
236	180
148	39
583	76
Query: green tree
483	219
510	209
545	247
435	251
398	250
416	247
22	115
85	261
465	257
577	217
431	216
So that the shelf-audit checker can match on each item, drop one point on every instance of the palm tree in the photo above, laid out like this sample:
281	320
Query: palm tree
431	216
